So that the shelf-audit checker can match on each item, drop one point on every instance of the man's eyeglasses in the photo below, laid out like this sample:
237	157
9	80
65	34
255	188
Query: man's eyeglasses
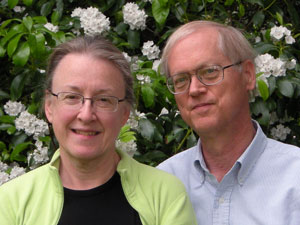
101	103
209	75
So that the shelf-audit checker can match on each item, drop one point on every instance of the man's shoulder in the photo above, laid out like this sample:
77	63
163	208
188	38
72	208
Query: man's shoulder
181	160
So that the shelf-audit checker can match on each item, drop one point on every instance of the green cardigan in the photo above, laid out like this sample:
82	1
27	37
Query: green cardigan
37	197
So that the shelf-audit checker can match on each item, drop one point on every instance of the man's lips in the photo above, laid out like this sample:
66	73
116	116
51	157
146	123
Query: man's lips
200	105
86	132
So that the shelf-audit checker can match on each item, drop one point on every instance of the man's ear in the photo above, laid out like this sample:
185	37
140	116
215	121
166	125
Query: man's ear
48	108
126	113
249	74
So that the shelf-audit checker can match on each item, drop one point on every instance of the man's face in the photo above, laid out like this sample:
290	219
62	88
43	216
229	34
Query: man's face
211	109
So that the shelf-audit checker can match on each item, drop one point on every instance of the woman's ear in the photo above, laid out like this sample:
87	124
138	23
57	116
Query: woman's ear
48	108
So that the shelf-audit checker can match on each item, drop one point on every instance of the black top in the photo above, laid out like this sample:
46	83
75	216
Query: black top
103	205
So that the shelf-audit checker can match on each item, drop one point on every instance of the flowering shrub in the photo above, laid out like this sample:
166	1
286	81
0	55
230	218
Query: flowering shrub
30	29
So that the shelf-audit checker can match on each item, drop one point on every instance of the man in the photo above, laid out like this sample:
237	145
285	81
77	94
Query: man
235	174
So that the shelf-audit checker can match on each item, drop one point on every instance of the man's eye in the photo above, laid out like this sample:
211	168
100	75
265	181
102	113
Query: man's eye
180	79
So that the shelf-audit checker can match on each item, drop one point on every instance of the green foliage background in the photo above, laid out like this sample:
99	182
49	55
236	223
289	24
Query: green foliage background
25	45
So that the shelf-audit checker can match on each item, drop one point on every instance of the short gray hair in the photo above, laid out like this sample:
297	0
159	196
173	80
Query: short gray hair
231	42
98	47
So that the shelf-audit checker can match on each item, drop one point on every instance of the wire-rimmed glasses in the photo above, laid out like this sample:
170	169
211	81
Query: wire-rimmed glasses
208	75
102	103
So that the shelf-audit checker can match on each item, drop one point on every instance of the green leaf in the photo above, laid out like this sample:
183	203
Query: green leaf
279	18
260	109
258	18
228	2
262	47
54	17
11	130
133	37
7	119
27	2
160	11
13	44
241	10
2	146
147	129
40	19
258	2
40	43
263	89
28	22
286	88
17	86
148	95
2	51
16	29
15	155
20	58
12	3
3	95
5	126
46	8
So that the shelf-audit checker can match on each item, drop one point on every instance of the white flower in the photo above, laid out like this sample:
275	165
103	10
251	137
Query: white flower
127	57
269	66
291	64
257	39
289	39
3	166
51	27
156	64
164	111
134	17
150	50
278	32
16	171
77	12
143	79
31	125
14	108
4	177
92	20
19	9
129	147
280	132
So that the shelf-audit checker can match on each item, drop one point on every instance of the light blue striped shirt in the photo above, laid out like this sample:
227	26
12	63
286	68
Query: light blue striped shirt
263	186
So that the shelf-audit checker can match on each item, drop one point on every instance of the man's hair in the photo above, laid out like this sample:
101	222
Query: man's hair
97	47
232	42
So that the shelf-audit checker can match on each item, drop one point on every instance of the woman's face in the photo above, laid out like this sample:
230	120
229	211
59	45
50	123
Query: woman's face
86	133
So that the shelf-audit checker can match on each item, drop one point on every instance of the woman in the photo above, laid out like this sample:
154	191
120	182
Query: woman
88	97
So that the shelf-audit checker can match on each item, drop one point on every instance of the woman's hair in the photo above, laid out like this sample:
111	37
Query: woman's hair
232	42
99	48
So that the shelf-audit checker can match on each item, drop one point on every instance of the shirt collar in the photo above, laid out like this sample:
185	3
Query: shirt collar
249	158
246	161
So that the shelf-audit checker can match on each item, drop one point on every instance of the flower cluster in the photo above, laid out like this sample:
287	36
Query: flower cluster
129	147
134	17
39	156
268	65
150	50
278	32
92	20
280	132
14	169
143	79
19	9
51	27
31	125
14	108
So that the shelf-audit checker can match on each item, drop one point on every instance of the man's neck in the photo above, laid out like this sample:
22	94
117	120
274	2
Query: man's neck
222	151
